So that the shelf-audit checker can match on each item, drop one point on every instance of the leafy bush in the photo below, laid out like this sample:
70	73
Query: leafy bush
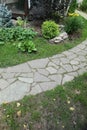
16	34
73	6
49	29
73	24
27	46
83	6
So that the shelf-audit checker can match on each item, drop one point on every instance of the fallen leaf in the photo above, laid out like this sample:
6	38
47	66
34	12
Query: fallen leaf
63	126
25	126
68	101
18	104
72	108
8	116
19	113
54	99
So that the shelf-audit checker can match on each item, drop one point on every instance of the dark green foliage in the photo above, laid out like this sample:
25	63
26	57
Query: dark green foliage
73	24
83	6
27	46
73	6
16	34
49	29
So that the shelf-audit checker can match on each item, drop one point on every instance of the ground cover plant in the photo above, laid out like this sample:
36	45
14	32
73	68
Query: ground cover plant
64	108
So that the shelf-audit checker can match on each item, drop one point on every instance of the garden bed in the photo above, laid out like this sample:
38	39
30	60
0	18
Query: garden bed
10	55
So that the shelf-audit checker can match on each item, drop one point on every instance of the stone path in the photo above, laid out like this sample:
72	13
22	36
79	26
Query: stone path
82	14
44	74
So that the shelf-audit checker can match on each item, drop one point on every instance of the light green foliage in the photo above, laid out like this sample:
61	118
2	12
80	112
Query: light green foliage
27	46
83	6
73	24
16	34
49	29
20	22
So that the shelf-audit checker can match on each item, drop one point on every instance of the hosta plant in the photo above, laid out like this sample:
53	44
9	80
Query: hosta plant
27	46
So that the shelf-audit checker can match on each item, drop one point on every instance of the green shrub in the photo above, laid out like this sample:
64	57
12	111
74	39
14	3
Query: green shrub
83	6
27	46
73	24
49	29
73	6
16	34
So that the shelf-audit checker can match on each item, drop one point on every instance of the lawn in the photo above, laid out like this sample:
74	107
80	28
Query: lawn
64	108
10	55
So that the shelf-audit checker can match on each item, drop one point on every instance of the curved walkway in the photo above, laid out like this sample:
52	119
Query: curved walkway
44	74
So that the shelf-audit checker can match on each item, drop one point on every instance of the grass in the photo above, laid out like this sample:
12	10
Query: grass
9	54
63	108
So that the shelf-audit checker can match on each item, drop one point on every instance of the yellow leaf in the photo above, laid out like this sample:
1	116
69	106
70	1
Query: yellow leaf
7	116
72	108
18	104
25	126
63	126
68	101
19	113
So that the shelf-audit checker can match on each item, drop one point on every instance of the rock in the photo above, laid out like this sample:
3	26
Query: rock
63	36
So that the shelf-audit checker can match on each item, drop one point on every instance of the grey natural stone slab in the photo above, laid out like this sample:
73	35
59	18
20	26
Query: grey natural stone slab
57	78
3	84
81	46
12	80
57	56
81	71
51	70
56	61
43	72
61	71
73	56
14	92
48	85
82	58
40	78
64	60
26	80
35	90
51	64
74	62
67	78
68	67
8	75
1	70
68	53
75	74
26	75
40	63
75	68
19	68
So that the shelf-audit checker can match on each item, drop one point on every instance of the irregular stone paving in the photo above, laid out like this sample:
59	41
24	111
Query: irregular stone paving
43	74
82	14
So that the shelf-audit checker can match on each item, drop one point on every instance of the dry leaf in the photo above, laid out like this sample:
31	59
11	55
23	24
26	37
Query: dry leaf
25	126
8	116
68	101
63	126
18	104
19	113
72	108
